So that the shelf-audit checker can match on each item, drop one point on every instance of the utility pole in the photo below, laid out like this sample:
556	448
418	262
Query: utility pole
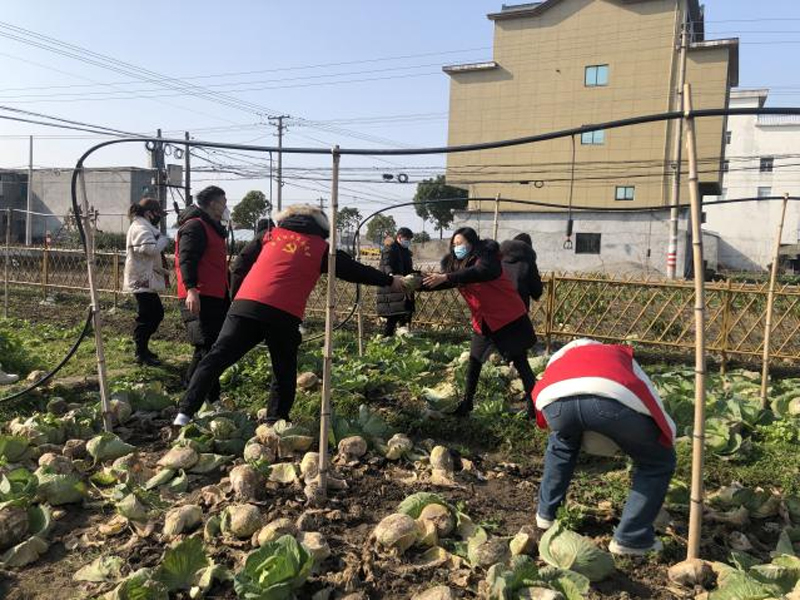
270	181
157	163
278	122
321	201
187	176
677	156
28	215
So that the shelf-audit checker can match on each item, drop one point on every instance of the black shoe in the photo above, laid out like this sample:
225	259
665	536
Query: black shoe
147	360
153	355
463	409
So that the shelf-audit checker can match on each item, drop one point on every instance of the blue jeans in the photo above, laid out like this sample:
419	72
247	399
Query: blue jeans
636	434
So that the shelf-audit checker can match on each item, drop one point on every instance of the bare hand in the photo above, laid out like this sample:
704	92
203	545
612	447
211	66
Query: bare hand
434	280
397	284
193	301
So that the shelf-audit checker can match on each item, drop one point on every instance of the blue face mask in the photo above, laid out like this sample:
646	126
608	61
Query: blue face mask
405	243
461	251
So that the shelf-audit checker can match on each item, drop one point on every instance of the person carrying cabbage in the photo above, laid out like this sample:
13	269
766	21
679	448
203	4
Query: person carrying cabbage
499	317
271	282
596	396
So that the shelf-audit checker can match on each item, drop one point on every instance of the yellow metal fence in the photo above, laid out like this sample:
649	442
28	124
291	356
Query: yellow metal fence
651	312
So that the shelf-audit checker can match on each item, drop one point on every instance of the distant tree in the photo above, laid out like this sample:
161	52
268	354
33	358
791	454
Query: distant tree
438	213
422	237
380	227
347	219
249	210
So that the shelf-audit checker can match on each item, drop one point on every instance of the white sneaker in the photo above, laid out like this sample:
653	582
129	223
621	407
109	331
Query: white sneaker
403	332
544	524
616	548
182	420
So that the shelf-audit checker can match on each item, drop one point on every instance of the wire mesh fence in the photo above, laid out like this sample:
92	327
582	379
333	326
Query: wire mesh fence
655	313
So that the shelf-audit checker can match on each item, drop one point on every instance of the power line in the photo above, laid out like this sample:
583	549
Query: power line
56	125
228	87
50	44
259	71
69	121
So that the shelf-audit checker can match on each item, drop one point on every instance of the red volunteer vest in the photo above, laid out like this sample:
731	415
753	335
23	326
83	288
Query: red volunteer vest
212	270
609	362
495	302
286	271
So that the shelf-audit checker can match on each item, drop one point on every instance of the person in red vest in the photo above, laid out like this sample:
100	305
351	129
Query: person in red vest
592	393
201	270
272	280
499	316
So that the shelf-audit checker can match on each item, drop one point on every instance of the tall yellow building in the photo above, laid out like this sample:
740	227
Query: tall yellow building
566	63
559	64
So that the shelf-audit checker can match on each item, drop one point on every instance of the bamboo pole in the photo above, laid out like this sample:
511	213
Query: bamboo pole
360	314
496	221
551	309
115	265
698	435
726	326
45	271
770	301
5	268
327	355
105	407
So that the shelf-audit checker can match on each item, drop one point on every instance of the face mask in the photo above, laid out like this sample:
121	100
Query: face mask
405	243
155	220
226	217
461	251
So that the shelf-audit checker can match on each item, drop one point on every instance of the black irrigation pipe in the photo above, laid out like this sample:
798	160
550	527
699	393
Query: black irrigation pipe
48	376
357	235
641	120
564	208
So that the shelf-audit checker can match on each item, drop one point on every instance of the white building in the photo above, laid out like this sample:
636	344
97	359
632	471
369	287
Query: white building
762	159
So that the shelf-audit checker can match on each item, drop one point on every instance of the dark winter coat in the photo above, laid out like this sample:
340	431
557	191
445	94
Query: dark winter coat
395	260
519	263
193	241
347	269
484	265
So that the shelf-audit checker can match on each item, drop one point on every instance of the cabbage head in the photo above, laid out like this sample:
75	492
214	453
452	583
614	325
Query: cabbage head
568	550
274	571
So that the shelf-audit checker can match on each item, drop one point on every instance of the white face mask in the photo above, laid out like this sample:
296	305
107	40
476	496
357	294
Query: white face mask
226	217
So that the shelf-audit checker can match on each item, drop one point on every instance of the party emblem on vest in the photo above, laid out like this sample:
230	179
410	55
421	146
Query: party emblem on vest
291	244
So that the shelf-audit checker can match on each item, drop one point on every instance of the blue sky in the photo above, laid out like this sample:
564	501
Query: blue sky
384	58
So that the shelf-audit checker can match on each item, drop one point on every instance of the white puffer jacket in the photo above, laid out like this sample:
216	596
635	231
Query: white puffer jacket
143	248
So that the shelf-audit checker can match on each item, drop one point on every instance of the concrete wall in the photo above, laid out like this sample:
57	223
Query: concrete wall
13	191
630	243
538	86
109	191
748	230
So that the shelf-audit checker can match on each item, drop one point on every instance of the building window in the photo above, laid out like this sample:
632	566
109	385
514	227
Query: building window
726	166
587	243
766	164
596	76
625	193
594	138
764	192
728	136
